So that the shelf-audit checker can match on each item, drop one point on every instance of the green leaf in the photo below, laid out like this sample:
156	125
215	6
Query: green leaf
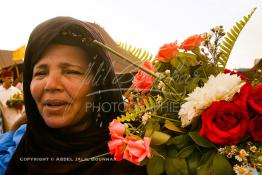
206	163
185	152
230	38
172	126
200	57
208	156
234	33
155	166
175	62
230	42
146	103
151	101
192	84
201	141
159	138
193	161
150	128
172	152
139	53
224	49
180	141
221	165
176	166
187	58
139	109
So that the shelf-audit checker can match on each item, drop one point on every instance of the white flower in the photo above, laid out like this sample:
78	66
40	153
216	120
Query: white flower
253	149
221	87
221	150
167	72
145	117
237	157
240	170
161	85
245	170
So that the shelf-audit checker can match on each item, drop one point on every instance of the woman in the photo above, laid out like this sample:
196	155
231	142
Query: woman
67	82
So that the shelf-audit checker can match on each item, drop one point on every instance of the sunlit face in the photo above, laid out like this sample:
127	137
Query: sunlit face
59	86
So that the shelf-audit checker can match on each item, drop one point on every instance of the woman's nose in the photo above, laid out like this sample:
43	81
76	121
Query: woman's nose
53	82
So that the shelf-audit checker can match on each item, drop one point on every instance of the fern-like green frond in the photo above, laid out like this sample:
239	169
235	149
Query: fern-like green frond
139	53
230	39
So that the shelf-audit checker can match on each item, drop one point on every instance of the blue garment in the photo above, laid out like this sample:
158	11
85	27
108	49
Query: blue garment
8	144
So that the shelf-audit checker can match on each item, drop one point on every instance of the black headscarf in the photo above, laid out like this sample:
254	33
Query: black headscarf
40	141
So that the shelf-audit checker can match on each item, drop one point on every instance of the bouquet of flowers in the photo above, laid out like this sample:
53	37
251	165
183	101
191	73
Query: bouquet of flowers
16	101
186	114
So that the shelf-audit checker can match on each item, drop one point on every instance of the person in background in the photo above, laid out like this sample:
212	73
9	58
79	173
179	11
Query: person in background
19	83
7	90
71	95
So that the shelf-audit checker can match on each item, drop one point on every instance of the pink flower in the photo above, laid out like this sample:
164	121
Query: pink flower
116	148
191	42
142	81
116	129
148	65
137	150
167	52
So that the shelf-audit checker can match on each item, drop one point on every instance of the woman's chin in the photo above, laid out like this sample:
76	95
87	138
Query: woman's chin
56	122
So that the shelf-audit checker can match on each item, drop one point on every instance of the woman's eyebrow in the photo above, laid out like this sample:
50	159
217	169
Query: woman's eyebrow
41	66
64	65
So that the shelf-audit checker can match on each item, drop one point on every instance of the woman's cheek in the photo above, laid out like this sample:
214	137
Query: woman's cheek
36	88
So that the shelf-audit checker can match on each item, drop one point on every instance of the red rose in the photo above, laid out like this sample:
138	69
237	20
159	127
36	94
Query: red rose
250	98
255	128
192	42
167	52
142	81
240	99
224	123
230	72
255	99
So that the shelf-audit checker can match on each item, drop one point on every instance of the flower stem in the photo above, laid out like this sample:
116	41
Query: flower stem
134	64
140	126
157	116
124	58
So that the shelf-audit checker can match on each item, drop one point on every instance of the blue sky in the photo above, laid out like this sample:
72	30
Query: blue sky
143	23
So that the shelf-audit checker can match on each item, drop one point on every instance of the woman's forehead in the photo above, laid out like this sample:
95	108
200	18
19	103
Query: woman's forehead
65	55
62	49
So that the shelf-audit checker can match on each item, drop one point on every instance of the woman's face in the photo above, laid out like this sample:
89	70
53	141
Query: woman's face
60	87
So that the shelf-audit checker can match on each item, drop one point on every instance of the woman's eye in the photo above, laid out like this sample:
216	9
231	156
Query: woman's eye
40	73
72	72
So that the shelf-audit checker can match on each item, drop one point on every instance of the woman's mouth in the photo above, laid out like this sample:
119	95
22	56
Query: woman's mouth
55	106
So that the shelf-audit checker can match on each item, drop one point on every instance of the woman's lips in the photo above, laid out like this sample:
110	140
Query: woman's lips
55	106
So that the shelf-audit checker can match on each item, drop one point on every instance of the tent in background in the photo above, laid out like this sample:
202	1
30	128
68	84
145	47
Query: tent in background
7	61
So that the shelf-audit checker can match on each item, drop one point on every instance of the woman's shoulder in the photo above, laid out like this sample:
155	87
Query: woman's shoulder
12	137
8	144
